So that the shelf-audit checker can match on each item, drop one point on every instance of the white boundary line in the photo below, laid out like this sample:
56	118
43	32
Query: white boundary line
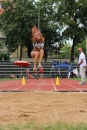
10	83
71	86
25	85
2	85
53	85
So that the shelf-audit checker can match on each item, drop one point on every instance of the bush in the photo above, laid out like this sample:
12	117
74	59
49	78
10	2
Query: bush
4	56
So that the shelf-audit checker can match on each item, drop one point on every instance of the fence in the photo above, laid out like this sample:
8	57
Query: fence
7	68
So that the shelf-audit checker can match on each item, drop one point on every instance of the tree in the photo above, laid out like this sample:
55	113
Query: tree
17	21
68	14
65	51
80	45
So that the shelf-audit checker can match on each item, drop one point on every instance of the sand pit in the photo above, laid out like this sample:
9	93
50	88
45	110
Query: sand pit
43	107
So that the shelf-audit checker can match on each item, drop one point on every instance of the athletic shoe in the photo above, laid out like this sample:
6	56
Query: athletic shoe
81	83
40	66
34	68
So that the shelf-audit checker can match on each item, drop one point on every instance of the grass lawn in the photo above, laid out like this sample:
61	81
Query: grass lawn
6	79
33	126
78	79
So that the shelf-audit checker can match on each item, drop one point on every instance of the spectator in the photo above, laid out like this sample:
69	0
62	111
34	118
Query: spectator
41	72
65	62
69	72
18	76
12	76
35	74
59	61
31	77
27	73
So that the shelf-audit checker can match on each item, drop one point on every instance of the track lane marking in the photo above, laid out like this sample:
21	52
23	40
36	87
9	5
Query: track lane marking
53	85
71	85
25	85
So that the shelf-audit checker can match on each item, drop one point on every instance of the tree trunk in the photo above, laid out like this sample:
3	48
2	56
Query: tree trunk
45	55
20	58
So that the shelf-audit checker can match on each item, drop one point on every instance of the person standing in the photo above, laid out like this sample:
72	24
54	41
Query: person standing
69	72
38	44
12	76
82	65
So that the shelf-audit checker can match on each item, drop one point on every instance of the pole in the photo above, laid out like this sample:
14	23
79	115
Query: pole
38	18
57	50
57	53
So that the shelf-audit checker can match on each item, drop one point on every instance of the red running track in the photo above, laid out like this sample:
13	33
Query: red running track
45	84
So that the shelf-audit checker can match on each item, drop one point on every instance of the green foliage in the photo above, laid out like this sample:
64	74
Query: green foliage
20	16
4	56
17	21
65	51
34	126
80	45
67	48
72	21
1	43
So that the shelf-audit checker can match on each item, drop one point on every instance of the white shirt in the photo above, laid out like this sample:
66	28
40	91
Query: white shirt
38	45
82	56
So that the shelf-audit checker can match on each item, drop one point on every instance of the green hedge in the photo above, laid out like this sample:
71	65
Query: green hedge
4	56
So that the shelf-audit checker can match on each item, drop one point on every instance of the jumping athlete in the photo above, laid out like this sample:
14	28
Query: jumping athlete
38	44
